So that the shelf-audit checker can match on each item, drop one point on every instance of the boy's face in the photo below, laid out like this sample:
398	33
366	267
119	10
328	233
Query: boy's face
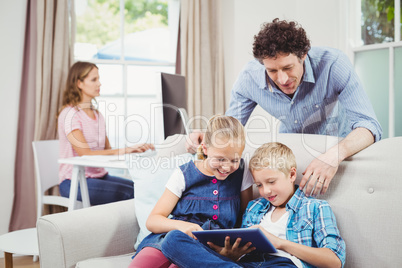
274	185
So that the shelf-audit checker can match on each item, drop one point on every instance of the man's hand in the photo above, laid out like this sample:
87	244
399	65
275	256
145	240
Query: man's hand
233	252
193	140
319	173
322	169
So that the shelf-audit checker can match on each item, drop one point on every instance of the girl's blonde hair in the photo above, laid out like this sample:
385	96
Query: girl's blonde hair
222	131
274	155
72	95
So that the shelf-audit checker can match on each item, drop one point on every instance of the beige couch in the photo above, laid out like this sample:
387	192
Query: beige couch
365	196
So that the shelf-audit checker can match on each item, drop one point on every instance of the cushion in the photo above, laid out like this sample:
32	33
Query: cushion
106	262
150	175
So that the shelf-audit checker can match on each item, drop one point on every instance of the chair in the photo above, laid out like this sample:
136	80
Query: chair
46	154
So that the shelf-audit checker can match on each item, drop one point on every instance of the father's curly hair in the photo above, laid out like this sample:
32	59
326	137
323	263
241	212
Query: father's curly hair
280	37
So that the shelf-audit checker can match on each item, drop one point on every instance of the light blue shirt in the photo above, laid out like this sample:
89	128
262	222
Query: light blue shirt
330	100
311	223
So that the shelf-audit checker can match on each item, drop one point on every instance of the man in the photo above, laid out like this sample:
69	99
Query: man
310	90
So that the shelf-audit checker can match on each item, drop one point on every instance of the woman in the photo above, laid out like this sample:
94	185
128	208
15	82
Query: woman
82	131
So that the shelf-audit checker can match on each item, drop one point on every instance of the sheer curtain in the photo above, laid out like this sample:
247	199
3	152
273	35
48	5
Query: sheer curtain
48	55
202	59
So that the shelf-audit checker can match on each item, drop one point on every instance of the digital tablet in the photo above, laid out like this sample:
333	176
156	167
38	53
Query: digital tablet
253	235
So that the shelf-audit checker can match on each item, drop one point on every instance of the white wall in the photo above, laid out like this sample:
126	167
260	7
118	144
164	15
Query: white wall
325	22
12	27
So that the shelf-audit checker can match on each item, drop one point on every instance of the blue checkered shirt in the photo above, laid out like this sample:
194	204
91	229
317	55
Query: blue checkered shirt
311	222
330	100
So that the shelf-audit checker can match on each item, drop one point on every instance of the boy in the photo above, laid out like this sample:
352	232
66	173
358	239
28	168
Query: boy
303	229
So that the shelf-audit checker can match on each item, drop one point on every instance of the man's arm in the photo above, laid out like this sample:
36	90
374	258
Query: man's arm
323	168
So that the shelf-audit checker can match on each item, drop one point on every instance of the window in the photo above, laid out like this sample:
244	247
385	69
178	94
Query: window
378	21
379	61
130	41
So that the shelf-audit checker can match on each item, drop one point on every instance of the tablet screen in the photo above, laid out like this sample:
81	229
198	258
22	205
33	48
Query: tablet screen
253	235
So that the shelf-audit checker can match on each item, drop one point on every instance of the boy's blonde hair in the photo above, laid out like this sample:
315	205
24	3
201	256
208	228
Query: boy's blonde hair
274	155
225	128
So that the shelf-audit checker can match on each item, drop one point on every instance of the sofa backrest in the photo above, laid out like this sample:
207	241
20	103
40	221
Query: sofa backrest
364	194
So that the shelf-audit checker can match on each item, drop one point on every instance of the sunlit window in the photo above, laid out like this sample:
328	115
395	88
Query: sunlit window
130	41
378	21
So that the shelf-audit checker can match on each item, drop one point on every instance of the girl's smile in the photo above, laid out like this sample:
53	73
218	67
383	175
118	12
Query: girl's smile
222	160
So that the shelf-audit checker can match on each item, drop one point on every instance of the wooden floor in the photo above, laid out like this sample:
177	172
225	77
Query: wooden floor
21	262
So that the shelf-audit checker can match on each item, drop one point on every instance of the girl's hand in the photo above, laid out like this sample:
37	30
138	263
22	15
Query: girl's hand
188	228
276	241
139	148
233	252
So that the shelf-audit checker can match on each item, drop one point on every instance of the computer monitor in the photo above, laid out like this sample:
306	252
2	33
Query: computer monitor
174	97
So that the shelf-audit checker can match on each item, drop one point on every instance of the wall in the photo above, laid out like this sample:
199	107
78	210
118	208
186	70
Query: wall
12	27
325	22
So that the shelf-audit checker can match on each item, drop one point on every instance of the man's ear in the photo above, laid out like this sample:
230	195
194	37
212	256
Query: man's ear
293	174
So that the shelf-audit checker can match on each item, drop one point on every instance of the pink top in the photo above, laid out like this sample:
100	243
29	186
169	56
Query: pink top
94	131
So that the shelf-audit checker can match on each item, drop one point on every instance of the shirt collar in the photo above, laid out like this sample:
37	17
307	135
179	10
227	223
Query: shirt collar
308	71
297	199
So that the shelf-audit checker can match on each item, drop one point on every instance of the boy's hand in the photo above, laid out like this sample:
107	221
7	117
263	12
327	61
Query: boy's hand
276	241
233	252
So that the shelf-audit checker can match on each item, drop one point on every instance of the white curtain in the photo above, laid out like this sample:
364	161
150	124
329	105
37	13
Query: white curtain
202	59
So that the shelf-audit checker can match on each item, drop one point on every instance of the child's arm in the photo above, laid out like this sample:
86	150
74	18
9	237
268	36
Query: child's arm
319	257
158	221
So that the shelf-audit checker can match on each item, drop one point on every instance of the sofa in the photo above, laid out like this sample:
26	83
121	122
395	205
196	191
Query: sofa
364	195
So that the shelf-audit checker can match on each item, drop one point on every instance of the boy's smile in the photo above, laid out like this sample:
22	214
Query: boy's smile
274	185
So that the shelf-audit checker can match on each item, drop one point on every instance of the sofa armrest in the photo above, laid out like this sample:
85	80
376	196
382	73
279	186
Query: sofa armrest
99	231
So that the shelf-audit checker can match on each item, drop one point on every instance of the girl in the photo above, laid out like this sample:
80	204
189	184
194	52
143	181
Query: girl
207	194
82	131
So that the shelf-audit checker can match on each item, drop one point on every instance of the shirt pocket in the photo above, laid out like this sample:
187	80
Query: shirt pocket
303	232
315	112
321	117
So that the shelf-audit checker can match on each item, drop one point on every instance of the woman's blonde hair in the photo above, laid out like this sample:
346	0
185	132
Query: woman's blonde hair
222	131
72	95
274	155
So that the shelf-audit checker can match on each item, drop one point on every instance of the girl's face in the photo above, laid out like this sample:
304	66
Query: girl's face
90	87
222	160
274	185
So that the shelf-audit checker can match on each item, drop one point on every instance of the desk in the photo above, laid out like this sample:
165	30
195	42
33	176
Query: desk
79	163
24	242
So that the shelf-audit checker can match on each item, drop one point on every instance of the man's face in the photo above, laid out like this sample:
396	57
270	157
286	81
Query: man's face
286	70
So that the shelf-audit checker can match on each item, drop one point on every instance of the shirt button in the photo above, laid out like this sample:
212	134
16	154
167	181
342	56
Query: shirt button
214	180
214	217
316	106
215	192
295	121
291	103
215	207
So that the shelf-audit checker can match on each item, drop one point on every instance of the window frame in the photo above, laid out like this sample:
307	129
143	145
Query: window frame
391	46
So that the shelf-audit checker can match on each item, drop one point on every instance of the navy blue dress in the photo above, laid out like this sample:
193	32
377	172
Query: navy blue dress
206	201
